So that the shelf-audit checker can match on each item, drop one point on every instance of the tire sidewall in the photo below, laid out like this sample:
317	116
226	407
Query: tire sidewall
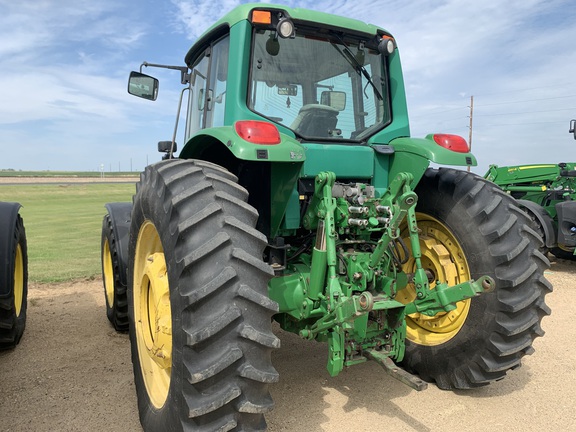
16	323
107	237
149	206
21	239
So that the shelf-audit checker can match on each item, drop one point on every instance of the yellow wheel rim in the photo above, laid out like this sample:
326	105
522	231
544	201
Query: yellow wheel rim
152	315
444	260
108	273
565	248
19	280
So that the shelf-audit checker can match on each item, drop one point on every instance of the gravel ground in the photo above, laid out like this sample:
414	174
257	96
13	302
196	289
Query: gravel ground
72	372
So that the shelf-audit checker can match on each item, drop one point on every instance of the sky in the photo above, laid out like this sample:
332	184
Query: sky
64	67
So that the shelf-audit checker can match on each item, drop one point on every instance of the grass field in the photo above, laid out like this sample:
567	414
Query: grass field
47	174
63	226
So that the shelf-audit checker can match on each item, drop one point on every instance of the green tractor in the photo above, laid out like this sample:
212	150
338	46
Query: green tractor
547	192
300	197
13	275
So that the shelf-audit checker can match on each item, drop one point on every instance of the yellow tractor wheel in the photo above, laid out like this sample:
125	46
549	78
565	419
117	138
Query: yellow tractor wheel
114	270
13	276
470	228
200	317
444	261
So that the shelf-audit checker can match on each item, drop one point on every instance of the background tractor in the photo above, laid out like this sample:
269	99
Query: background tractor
547	192
300	196
13	275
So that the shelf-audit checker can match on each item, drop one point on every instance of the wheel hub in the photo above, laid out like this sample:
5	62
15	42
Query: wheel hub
108	271
155	311
152	314
19	280
443	260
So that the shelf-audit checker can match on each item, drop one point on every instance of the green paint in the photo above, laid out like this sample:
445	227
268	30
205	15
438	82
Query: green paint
548	193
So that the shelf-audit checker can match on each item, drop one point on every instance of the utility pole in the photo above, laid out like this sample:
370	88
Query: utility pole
470	131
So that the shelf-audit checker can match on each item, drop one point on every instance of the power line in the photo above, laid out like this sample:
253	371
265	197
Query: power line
526	112
567	84
445	111
505	103
521	124
528	100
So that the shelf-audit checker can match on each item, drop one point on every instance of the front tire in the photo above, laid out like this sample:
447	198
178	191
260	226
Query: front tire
200	316
471	228
14	277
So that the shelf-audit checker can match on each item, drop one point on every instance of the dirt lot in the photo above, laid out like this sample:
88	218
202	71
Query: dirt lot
72	372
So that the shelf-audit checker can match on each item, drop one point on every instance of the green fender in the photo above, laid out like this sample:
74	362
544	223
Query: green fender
226	137
274	171
415	154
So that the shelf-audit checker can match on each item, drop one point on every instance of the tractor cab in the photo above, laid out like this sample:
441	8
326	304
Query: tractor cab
321	84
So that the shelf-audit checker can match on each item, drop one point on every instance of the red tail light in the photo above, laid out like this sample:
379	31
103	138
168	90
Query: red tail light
452	142
258	132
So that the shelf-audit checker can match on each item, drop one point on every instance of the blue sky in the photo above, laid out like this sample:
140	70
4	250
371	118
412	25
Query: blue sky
64	66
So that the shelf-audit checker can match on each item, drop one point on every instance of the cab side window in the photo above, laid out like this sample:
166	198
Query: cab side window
218	76
197	101
206	106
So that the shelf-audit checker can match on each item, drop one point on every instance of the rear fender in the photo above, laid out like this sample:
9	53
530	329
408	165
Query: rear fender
414	155
268	172
222	140
543	218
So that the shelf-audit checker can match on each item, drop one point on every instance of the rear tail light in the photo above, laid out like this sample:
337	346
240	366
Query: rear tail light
452	142
258	132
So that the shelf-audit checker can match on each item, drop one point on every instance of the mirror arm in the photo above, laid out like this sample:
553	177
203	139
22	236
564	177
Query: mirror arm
184	75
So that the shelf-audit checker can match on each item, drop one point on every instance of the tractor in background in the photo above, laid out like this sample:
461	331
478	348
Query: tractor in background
547	192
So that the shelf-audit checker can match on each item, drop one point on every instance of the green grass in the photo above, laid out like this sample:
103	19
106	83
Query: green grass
63	226
11	173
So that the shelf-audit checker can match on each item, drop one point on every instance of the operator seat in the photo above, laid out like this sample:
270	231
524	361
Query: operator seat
316	120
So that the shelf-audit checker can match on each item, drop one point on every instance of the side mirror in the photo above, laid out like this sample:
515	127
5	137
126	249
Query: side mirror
573	128
333	99
166	147
143	86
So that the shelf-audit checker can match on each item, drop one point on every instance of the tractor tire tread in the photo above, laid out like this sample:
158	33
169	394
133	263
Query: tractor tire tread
517	306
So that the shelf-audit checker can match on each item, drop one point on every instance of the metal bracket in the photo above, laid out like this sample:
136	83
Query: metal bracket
443	298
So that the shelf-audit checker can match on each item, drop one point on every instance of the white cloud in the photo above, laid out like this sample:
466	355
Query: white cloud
64	65
195	17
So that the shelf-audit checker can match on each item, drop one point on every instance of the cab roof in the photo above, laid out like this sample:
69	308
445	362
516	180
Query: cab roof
242	13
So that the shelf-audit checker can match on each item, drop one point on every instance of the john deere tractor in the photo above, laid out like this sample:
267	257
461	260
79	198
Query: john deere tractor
13	275
547	192
300	197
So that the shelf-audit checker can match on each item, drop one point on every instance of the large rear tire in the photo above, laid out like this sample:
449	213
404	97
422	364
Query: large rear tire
114	287
200	316
471	228
14	277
